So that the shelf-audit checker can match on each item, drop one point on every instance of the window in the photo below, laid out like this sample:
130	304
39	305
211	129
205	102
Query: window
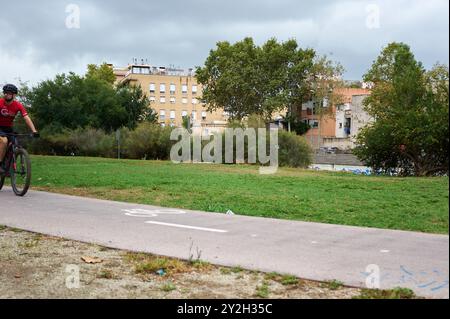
162	115
152	99
184	113
140	70
162	100
152	87
162	88
340	125
204	116
194	89
194	101
184	88
172	115
172	88
314	123
172	100
194	115
184	100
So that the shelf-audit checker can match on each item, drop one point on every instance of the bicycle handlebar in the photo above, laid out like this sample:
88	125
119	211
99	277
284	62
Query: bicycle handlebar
16	135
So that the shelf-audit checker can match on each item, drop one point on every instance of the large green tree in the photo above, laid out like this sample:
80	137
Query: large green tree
71	101
101	72
410	109
244	79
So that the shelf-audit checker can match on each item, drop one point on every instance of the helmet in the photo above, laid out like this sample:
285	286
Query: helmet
10	88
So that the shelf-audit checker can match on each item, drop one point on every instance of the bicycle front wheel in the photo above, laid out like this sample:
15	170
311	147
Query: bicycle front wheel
21	172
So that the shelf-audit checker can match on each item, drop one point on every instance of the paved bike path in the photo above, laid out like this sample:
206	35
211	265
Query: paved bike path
307	250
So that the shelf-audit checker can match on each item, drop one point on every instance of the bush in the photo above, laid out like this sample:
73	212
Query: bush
93	142
148	141
294	150
152	142
80	142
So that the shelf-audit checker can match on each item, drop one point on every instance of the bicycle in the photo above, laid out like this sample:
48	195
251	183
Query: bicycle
17	164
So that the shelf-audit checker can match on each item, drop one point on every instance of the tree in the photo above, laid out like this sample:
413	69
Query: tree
72	101
410	108
101	72
245	79
136	104
325	80
284	77
295	124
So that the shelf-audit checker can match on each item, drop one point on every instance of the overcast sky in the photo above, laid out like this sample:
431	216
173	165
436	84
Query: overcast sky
36	43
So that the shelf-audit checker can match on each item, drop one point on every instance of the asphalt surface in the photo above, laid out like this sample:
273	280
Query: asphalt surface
355	256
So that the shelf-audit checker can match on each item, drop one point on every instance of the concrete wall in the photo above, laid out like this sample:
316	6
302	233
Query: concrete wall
337	159
360	117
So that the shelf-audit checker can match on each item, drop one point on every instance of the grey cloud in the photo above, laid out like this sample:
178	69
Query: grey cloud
182	32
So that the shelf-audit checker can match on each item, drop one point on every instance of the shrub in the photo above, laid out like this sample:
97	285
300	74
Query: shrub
294	150
79	142
93	142
148	141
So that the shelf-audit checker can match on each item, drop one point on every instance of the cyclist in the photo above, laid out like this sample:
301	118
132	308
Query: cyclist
9	108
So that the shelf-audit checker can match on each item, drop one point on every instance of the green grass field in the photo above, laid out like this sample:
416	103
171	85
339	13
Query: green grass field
416	204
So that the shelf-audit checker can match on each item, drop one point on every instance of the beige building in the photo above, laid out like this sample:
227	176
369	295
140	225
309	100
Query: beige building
173	94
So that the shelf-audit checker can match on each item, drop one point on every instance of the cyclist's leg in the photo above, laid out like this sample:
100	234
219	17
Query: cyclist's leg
3	145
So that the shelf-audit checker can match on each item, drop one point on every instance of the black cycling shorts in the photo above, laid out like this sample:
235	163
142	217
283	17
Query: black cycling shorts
6	129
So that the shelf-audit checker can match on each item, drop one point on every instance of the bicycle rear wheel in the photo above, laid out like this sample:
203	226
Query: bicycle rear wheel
21	172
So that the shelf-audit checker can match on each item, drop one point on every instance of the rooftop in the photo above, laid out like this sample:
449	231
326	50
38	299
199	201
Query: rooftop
146	69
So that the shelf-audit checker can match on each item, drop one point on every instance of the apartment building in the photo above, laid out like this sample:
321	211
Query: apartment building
340	127
173	94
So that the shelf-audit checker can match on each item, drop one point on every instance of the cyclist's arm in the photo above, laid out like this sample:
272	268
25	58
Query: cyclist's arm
29	123
26	117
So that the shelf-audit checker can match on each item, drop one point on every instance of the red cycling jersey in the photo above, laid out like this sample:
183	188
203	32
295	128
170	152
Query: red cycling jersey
9	112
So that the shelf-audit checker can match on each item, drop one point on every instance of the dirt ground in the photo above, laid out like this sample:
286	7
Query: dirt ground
39	266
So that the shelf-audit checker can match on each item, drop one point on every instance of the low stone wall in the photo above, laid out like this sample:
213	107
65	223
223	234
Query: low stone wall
337	159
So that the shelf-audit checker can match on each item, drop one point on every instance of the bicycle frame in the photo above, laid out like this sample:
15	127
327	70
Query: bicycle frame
12	147
9	157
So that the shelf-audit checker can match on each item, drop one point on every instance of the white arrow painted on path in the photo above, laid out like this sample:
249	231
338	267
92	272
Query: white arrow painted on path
137	212
188	227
